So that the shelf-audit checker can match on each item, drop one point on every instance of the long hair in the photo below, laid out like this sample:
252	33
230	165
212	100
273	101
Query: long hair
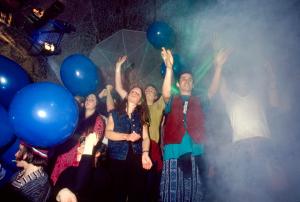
142	109
86	125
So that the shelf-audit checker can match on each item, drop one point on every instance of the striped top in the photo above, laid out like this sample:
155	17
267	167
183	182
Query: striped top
35	187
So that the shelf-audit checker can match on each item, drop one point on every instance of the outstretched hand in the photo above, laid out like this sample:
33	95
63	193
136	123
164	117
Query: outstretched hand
221	57
167	57
121	61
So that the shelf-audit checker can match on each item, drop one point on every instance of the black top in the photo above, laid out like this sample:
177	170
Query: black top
85	181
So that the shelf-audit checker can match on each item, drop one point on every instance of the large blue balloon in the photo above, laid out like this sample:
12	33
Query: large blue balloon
43	114
80	75
178	66
6	129
160	34
12	78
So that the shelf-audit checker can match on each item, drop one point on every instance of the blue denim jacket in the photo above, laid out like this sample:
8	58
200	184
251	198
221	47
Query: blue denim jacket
123	124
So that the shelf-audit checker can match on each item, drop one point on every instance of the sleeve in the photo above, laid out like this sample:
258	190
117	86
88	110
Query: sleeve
160	103
168	105
99	127
84	173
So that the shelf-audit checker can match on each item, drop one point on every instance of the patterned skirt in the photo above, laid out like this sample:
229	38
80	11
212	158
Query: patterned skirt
183	180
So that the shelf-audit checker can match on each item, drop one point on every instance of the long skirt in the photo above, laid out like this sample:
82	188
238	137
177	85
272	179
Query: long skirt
183	179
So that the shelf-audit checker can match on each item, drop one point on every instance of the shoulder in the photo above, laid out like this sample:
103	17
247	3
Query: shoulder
100	118
160	102
195	98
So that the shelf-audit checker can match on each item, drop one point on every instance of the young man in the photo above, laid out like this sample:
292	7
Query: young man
183	175
31	183
249	166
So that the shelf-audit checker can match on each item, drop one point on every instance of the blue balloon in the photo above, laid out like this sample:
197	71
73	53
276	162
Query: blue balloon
160	34
12	78
7	176
43	114
80	75
6	129
7	157
178	66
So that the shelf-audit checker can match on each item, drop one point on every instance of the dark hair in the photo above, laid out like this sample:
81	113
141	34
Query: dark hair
86	125
34	158
153	86
142	109
185	71
157	92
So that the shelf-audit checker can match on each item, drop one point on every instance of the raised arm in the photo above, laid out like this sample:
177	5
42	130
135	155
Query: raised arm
167	83
106	92
118	77
219	61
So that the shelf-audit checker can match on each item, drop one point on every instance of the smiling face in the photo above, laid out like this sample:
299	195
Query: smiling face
90	102
185	84
135	96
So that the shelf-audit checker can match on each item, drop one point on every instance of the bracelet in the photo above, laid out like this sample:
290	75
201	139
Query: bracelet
146	151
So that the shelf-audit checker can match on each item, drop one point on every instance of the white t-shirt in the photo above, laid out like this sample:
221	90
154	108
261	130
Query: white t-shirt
247	116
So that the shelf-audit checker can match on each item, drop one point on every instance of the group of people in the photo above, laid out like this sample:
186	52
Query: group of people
125	156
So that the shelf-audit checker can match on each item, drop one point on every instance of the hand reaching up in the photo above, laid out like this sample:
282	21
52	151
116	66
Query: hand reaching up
103	93
121	61
221	57
109	87
167	57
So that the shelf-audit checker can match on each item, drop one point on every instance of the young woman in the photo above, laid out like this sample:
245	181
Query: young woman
89	122
128	146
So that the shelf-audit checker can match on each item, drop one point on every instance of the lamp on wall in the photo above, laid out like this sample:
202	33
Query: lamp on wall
46	40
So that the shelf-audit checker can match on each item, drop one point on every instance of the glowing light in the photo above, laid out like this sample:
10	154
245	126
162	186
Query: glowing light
77	73
49	47
203	69
158	33
42	113
174	90
3	80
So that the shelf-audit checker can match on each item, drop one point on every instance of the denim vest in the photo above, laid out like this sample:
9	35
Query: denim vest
123	124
